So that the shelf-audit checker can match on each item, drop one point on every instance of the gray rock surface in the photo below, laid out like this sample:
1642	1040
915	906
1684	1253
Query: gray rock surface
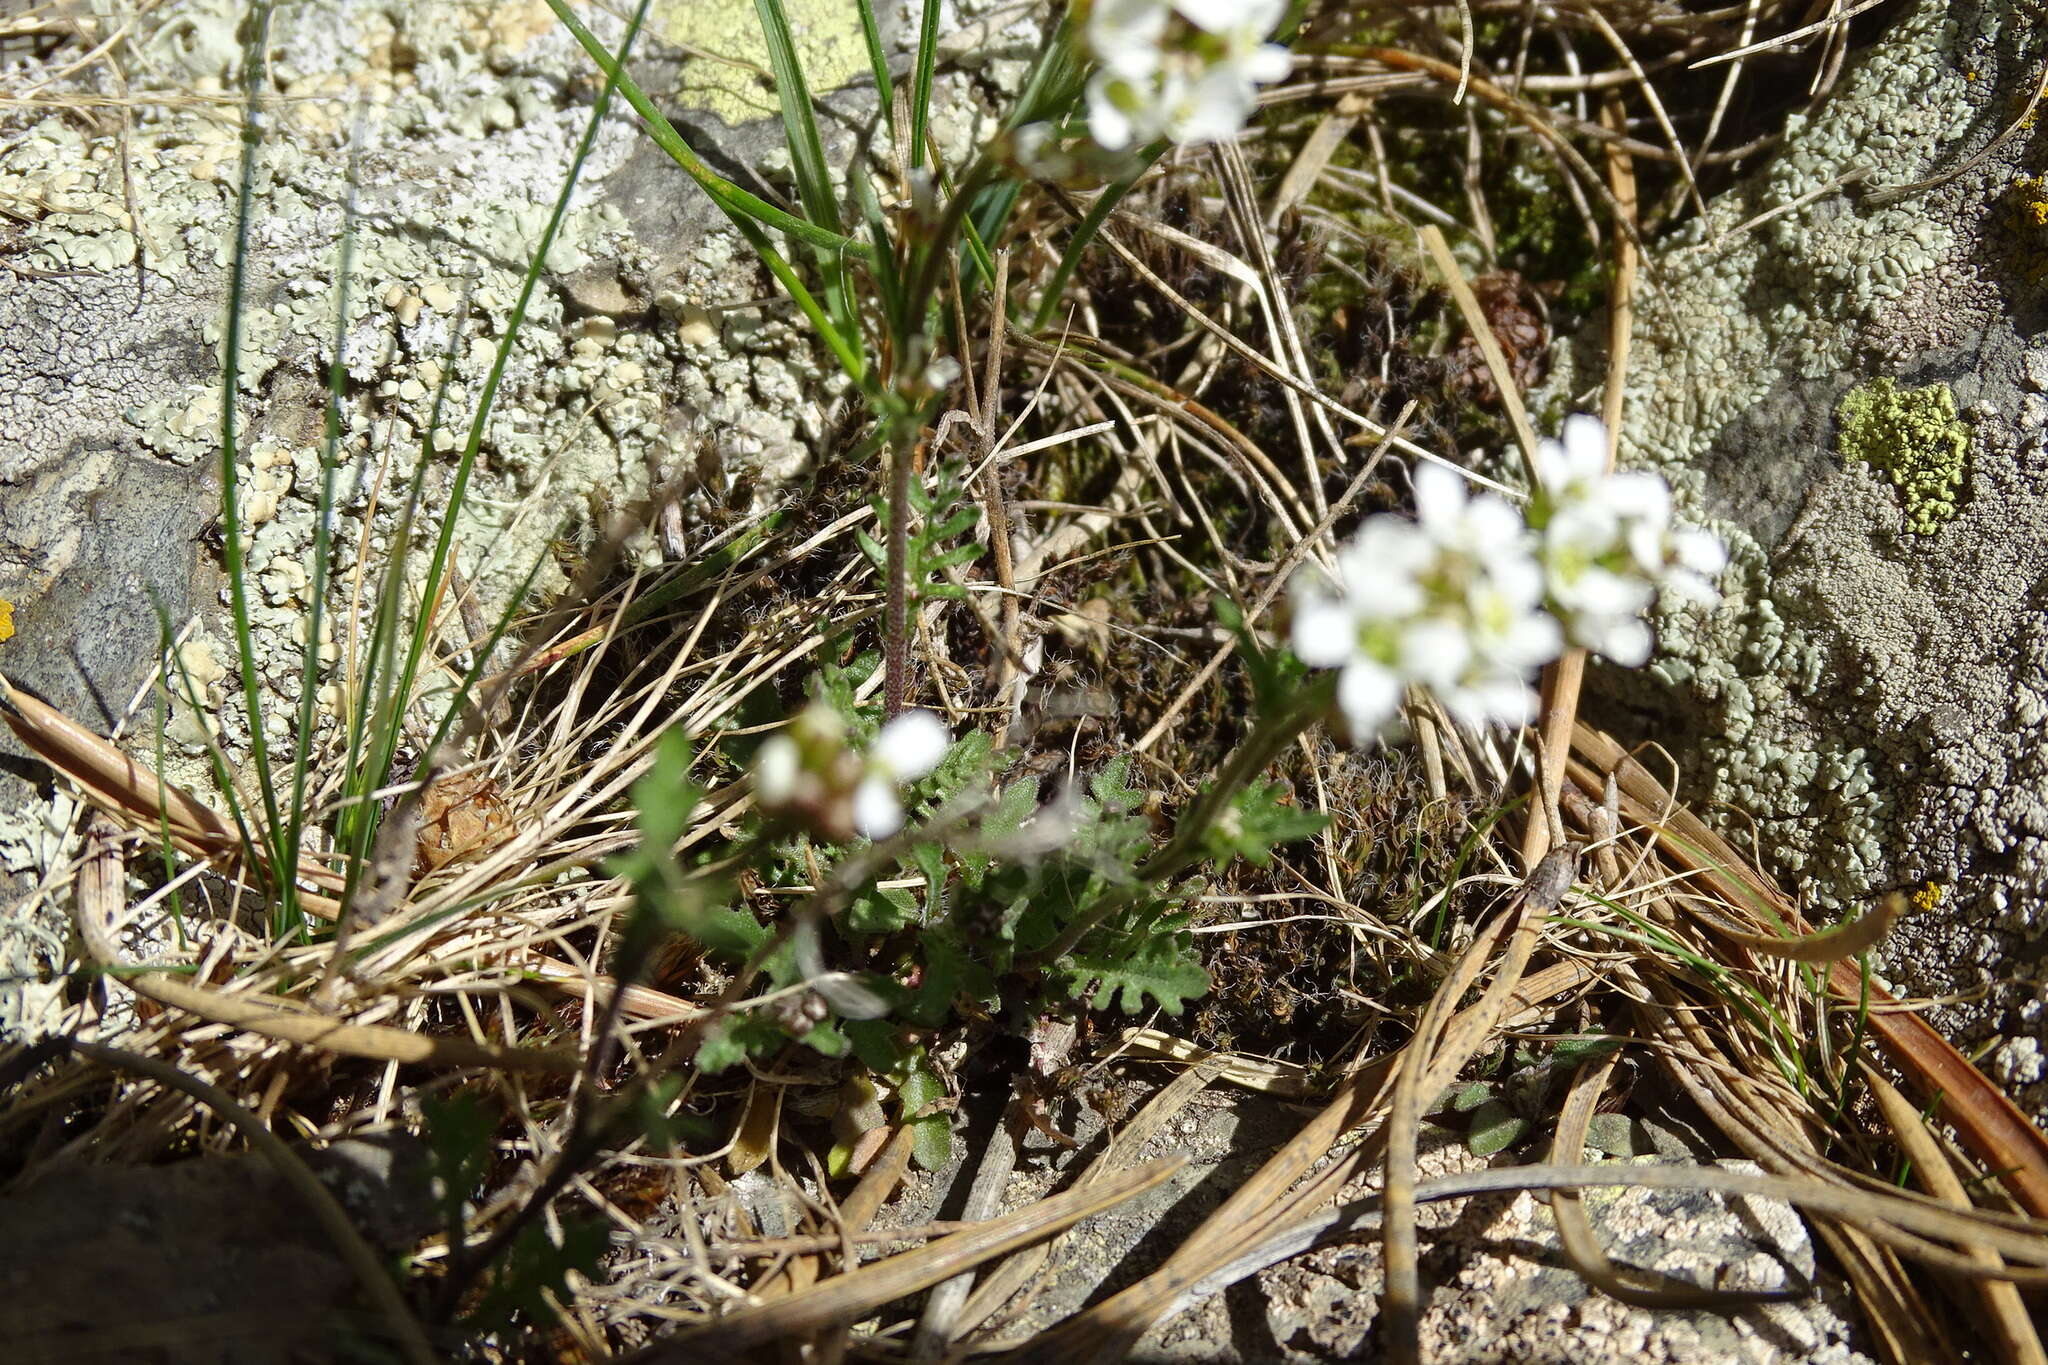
1871	698
653	345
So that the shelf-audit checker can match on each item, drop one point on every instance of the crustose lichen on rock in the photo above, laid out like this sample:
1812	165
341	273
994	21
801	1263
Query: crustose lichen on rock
1914	436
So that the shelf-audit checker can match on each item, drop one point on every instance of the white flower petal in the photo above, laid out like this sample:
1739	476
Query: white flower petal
1532	641
1586	530
1266	63
1638	493
1125	34
1215	16
1585	445
1553	465
910	746
1439	497
1625	640
1435	652
1379	569
1599	592
1109	123
1503	698
1493	526
1688	586
777	766
1325	633
1213	108
1699	550
1369	695
877	813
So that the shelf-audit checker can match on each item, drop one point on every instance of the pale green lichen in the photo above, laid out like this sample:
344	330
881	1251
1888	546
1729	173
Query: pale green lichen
1914	436
721	76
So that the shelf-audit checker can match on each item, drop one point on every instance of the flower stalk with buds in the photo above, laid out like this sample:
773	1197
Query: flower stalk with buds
809	774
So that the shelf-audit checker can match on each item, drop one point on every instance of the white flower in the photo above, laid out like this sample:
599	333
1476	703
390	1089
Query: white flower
907	748
778	770
1451	602
809	774
1125	35
1569	466
1188	70
1608	544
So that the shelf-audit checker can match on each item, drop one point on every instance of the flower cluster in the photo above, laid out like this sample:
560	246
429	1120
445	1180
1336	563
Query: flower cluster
1607	544
1451	601
808	773
1186	70
1468	599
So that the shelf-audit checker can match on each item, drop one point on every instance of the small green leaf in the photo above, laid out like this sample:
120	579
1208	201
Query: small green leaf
877	1042
730	933
921	1088
881	910
826	1040
930	860
1471	1097
1617	1135
1112	789
1495	1128
1256	823
1579	1050
731	1041
931	1141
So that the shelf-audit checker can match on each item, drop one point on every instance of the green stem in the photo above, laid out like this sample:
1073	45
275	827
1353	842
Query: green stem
896	620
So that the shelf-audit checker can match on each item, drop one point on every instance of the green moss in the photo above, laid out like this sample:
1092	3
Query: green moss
1913	435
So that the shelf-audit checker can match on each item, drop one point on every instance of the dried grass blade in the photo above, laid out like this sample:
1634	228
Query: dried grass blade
133	790
2012	1331
1575	1229
1858	935
97	765
1003	1283
378	1042
1270	1200
1990	1125
1886	1216
848	1298
1443	1041
99	902
1489	345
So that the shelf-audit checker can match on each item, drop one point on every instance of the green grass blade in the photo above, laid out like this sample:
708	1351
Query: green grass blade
1098	214
807	159
799	124
458	490
1054	83
323	521
737	204
921	83
878	60
845	351
233	555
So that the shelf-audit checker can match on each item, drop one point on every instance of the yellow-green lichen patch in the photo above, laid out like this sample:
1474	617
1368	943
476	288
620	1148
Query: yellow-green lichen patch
6	619
725	71
1914	436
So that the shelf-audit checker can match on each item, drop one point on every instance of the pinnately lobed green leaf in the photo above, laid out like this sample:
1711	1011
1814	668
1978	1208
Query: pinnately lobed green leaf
1160	964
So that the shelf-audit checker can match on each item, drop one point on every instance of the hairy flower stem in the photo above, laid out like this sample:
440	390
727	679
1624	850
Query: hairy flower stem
896	616
1267	741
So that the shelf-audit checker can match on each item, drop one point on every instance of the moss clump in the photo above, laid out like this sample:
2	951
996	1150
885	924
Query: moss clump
1913	435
